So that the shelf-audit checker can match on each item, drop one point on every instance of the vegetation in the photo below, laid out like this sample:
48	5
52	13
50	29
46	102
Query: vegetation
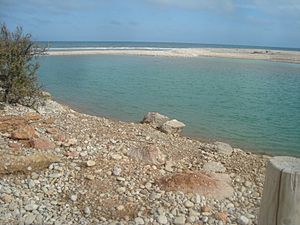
18	67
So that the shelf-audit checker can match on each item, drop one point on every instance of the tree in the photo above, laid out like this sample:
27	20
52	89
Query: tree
18	66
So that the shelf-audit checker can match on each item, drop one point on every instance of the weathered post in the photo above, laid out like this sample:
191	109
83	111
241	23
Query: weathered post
280	203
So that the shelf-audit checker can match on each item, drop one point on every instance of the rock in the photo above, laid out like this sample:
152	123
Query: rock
31	207
13	164
223	148
120	207
117	171
29	218
155	119
121	190
168	166
50	107
149	154
214	167
51	130
180	220
42	144
73	198
87	210
162	219
205	219
70	142
188	204
26	132
90	163
139	221
205	209
15	146
221	216
116	156
172	127
243	220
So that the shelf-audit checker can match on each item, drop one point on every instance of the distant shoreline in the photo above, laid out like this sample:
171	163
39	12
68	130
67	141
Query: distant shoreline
234	53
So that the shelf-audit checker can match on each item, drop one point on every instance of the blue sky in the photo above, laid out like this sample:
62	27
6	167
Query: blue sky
246	22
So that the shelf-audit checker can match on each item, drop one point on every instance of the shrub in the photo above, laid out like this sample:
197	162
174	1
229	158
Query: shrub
18	67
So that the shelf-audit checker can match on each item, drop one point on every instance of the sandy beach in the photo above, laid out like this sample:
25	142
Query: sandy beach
256	54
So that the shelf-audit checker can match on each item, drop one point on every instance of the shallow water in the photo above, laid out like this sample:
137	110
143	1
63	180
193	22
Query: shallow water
251	104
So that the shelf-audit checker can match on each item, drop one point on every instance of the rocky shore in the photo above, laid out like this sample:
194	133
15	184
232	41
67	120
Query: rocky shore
61	167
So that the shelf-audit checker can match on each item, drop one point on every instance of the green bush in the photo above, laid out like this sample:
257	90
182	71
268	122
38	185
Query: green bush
18	67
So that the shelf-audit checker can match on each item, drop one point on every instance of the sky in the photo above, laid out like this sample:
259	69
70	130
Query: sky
238	22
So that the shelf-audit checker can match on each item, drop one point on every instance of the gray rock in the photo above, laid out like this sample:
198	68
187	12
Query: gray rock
162	219
243	220
73	198
117	171
139	221
29	218
155	119
214	167
31	207
223	148
179	220
188	204
172	127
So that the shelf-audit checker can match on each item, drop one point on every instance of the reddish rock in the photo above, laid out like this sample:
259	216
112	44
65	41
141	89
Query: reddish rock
72	154
15	146
50	120
221	216
60	138
24	133
42	144
205	209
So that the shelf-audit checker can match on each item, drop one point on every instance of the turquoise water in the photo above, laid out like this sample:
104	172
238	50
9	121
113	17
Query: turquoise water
251	104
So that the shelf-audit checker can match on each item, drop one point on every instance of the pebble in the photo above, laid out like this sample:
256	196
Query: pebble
162	219
180	220
139	221
243	220
73	198
31	207
29	218
188	204
90	163
117	171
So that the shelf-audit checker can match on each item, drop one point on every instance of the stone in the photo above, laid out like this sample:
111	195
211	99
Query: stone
221	216
179	220
188	204
243	220
14	146
29	218
13	164
214	167
172	127
121	190
120	207
149	154
155	119
41	143
169	166
51	130
116	156
223	148
70	142
87	210
73	198
139	221
162	219
205	219
90	163
117	171
26	132
31	207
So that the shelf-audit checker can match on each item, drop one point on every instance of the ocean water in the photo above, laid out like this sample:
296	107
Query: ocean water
254	105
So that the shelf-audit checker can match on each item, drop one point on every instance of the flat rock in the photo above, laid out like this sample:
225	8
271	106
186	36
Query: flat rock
13	164
24	133
149	154
41	143
172	127
223	148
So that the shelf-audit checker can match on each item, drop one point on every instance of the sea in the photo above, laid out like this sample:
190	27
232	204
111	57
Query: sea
251	104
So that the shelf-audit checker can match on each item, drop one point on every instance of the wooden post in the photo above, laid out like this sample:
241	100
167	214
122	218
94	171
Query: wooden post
280	203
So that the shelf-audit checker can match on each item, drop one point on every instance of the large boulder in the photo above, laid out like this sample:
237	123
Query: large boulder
214	167
155	119
223	148
24	133
172	127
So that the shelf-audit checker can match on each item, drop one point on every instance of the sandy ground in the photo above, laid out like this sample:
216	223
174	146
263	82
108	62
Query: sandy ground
257	54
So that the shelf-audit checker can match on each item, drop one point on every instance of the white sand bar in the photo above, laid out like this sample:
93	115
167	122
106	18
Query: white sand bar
258	54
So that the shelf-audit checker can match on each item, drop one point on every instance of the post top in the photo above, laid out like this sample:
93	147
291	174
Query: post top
286	163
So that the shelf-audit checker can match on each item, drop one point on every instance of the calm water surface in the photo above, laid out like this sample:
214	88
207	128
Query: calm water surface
253	105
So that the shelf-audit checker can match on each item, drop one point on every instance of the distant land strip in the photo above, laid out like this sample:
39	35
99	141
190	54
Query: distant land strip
236	53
